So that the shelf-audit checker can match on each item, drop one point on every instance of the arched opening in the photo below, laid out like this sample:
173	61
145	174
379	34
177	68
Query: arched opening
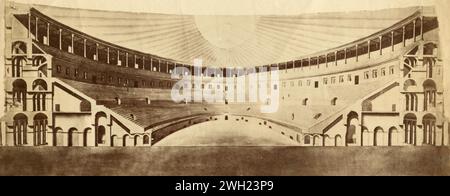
429	64
305	102
39	85
101	133
410	122
334	101
328	141
146	140
72	137
378	137
136	140
338	140
39	61
367	137
20	129
352	123
429	87
20	93
393	137
429	49
409	83
125	140
114	140
411	62
58	139
412	102
317	141
85	106
429	60
39	102
39	98
40	129
18	62
86	136
19	47
307	140
429	129
351	134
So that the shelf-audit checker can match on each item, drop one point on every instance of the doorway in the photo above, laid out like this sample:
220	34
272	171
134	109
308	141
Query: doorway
356	80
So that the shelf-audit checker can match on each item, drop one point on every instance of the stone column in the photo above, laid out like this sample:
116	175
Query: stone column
421	28
29	25
37	29
151	64
84	48
107	56
126	59
357	53
406	132
167	66
72	44
118	57
48	34
60	39
308	64
96	52
381	45
404	36
414	30
392	41
335	58
345	55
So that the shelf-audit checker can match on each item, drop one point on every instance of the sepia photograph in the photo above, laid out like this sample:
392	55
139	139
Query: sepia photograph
224	88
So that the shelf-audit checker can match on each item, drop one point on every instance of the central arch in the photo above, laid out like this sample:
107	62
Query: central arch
351	133
100	130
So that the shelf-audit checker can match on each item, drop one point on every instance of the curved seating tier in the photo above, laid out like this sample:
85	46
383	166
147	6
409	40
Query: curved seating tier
291	110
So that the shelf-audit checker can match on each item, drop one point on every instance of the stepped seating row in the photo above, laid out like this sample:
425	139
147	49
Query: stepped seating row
291	110
105	92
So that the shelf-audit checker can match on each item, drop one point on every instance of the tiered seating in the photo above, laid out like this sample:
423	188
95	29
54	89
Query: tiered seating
158	112
108	93
319	106
291	110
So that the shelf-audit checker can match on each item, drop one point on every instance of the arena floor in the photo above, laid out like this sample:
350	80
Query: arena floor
259	161
224	133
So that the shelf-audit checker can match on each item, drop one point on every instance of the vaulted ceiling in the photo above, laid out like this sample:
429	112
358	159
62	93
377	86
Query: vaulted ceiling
228	41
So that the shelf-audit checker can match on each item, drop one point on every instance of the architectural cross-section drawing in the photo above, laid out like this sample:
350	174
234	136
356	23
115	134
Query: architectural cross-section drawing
93	78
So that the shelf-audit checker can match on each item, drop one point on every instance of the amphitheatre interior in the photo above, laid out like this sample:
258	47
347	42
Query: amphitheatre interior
105	79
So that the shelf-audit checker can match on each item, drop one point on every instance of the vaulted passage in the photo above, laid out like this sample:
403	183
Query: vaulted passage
20	130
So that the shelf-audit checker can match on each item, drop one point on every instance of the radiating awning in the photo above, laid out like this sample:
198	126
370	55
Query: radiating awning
228	40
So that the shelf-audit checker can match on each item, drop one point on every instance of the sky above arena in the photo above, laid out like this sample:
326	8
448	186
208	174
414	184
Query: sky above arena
232	7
